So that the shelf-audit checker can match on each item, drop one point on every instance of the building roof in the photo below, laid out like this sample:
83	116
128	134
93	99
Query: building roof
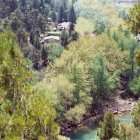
48	38
64	25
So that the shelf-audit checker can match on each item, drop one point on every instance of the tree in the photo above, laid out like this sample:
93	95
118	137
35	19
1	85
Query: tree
26	114
41	23
88	26
77	80
135	86
21	37
136	116
134	19
132	58
76	114
36	4
64	37
42	4
102	82
61	15
138	58
54	51
72	15
23	5
106	19
127	132
41	115
107	127
15	23
32	37
15	76
44	57
13	5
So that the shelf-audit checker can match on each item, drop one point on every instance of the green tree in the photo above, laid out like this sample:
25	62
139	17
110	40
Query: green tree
13	5
102	82
138	58
132	58
134	18
88	26
127	132
136	116
15	76
42	116
26	113
61	17
42	4
72	15
36	4
135	86
107	127
77	80
54	51
64	37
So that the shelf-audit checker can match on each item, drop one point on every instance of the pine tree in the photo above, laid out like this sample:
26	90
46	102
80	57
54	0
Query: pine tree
132	58
44	57
36	4
42	4
23	5
64	38
72	15
13	5
61	15
77	80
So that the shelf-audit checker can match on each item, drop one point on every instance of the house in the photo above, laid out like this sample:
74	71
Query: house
138	37
64	25
49	39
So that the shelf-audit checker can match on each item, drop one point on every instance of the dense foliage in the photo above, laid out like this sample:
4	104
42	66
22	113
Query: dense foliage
112	129
52	78
25	113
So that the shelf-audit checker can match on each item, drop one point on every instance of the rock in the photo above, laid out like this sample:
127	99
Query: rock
123	110
129	102
115	112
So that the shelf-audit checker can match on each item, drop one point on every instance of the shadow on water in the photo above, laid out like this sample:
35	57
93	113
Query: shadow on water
89	132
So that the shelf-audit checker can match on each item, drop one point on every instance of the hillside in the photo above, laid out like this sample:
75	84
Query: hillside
66	65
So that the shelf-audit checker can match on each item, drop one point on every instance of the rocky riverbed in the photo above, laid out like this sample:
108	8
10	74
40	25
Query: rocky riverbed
119	106
116	105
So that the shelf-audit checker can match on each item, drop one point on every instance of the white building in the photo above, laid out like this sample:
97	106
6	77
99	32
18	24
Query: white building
49	39
138	37
64	25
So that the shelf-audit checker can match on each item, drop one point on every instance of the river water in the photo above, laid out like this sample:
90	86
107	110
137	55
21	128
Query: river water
89	132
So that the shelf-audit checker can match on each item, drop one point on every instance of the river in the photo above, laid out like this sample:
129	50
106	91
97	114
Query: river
89	132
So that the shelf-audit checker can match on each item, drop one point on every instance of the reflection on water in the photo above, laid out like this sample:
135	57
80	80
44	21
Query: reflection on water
126	118
90	132
85	133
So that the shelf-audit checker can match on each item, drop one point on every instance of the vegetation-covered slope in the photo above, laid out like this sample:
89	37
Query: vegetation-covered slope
61	65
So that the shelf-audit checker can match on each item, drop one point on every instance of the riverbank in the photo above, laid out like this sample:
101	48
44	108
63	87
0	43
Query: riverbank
116	105
89	132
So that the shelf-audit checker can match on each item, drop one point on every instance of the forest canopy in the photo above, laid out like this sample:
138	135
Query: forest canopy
63	62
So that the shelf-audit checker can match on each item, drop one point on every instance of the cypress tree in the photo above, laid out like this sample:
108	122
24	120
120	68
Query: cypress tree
42	4
107	127
61	14
72	15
